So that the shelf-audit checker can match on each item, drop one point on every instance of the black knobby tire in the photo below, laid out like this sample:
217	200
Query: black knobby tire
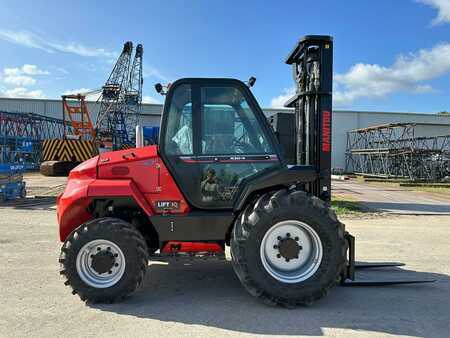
250	228
122	234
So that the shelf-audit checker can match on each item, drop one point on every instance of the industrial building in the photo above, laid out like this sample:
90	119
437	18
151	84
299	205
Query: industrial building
343	120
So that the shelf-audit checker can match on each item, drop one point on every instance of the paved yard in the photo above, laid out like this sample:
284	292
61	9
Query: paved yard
391	199
206	299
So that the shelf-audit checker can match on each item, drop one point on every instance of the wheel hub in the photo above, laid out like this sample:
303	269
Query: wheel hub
289	248
291	251
103	261
100	263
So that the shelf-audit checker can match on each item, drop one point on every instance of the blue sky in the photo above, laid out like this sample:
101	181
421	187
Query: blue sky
389	55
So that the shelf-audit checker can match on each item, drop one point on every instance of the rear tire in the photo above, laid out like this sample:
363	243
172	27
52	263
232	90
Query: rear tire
295	279
114	275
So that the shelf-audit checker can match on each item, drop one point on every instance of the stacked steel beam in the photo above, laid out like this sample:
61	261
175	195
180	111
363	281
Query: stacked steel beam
398	151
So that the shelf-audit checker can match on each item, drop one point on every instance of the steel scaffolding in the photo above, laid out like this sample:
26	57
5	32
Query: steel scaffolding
396	151
21	135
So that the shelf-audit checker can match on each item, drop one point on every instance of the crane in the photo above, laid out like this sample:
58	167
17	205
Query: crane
110	133
76	117
133	96
119	106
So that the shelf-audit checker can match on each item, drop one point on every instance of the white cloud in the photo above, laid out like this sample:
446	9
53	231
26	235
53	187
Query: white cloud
31	40
76	91
79	49
62	70
150	99
407	74
26	69
23	93
279	101
33	70
92	97
23	76
443	8
150	71
19	80
24	38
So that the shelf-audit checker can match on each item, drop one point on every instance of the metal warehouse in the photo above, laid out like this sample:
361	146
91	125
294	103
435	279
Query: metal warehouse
343	120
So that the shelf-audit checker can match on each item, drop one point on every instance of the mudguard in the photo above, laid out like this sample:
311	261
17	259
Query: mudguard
116	188
72	206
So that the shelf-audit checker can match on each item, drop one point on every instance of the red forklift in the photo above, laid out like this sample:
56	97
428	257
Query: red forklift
217	178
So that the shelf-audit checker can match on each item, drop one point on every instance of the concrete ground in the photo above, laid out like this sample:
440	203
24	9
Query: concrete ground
394	200
206	299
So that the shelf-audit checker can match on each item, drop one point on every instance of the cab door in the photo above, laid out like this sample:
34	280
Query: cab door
214	139
177	137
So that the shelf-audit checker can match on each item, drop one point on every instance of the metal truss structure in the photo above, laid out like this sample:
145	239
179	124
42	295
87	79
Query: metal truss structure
21	135
111	102
120	101
133	96
395	151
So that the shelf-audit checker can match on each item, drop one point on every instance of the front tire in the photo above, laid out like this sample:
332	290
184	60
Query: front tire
288	248
104	260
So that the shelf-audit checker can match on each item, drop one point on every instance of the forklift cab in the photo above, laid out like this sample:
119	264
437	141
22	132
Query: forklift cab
214	136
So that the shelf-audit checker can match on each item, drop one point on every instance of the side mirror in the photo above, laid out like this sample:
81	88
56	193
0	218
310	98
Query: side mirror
251	81
159	88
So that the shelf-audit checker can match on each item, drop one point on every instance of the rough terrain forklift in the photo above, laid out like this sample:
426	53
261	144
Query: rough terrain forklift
217	177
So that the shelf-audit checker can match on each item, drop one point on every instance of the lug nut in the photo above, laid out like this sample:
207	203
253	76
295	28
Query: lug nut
300	247
279	238
288	235
110	272
117	264
109	248
278	256
98	248
116	255
275	246
296	238
287	260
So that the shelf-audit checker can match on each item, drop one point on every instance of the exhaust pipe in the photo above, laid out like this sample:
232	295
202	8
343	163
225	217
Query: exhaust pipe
139	136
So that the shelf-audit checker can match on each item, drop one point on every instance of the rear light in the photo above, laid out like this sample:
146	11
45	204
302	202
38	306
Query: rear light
87	169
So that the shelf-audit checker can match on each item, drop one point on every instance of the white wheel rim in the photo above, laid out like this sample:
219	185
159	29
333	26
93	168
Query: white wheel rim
309	248
89	275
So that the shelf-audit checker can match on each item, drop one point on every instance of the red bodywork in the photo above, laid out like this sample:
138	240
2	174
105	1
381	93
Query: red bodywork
138	173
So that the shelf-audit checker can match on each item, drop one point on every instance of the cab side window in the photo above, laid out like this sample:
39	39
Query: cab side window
179	138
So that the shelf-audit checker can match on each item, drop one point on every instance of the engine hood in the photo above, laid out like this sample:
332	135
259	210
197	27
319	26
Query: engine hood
138	164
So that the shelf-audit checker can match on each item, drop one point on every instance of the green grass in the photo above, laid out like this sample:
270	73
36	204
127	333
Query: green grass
346	206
